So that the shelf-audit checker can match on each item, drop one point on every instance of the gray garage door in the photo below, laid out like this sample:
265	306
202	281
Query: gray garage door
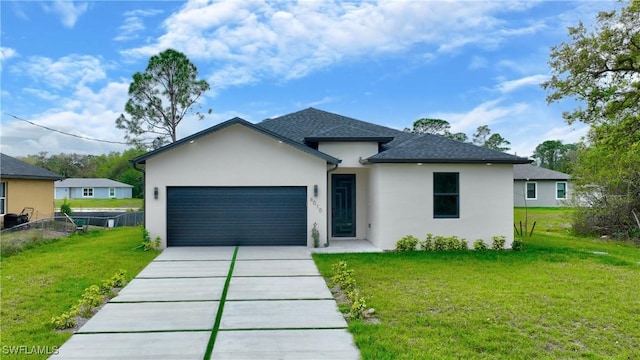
224	216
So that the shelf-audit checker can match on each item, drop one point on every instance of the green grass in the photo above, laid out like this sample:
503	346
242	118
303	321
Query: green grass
561	297
101	203
47	280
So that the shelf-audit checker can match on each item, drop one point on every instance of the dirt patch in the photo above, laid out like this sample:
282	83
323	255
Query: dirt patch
368	316
80	320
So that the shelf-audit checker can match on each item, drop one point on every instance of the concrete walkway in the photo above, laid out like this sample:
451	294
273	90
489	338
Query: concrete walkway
219	303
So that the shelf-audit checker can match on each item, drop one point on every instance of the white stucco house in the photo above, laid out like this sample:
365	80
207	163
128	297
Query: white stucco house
92	188
536	186
271	183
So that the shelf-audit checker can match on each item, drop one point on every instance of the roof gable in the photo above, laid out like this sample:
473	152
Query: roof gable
236	121
12	168
532	172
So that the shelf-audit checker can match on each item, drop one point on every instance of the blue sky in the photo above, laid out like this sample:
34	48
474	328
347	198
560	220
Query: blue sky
67	65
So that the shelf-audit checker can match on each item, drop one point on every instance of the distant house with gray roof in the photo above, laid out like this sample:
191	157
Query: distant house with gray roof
92	188
536	186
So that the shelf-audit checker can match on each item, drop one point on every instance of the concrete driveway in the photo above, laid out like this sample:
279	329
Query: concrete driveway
219	303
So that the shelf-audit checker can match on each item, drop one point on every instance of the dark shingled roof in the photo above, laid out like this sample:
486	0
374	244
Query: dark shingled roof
532	172
312	125
12	168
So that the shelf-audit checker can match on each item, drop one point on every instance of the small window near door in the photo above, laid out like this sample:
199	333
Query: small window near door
3	198
561	190
532	191
112	192
87	192
446	195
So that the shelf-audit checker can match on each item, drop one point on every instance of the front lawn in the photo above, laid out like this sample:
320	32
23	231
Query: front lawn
47	280
561	297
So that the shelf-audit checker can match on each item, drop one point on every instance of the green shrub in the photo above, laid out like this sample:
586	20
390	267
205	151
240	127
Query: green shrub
65	208
407	243
427	243
498	242
516	245
315	235
440	243
464	245
480	245
64	321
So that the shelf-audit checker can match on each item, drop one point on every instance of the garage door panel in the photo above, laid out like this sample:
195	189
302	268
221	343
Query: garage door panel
226	216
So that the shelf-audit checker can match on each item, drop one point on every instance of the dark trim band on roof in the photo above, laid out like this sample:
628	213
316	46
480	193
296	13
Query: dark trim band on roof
444	161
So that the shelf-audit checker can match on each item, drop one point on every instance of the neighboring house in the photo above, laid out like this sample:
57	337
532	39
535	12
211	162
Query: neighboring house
92	188
23	185
537	186
271	183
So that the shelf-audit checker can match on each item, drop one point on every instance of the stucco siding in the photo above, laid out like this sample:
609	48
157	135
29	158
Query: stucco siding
404	204
546	194
37	194
235	156
349	152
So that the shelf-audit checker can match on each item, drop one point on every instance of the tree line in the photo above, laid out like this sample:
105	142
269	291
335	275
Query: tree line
114	166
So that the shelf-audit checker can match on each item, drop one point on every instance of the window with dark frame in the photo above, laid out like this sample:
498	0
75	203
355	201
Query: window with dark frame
446	195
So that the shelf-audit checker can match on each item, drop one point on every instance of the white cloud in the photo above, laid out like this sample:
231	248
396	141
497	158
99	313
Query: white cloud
134	24
254	40
67	10
478	62
5	54
512	85
68	71
487	113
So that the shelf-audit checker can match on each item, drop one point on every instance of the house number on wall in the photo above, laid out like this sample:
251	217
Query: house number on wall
315	203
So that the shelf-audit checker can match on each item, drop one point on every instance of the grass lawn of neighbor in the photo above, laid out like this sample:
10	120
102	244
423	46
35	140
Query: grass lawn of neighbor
46	280
134	204
561	297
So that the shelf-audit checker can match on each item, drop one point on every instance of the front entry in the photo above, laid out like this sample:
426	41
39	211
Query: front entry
343	201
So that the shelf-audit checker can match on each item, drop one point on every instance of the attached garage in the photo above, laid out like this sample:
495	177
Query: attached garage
243	215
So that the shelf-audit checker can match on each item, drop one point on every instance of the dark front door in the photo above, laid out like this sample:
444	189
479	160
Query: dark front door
343	201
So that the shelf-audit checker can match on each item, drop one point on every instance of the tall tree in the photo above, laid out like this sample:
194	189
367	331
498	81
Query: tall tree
436	127
485	138
159	98
601	69
554	155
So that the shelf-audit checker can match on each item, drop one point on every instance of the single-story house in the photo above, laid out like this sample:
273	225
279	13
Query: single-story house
92	188
23	185
537	186
272	183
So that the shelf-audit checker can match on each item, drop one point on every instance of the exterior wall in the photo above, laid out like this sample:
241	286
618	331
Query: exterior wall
98	193
349	152
37	194
546	194
362	202
401	202
235	156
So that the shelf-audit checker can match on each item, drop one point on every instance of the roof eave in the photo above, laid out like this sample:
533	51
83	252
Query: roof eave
378	139
446	161
143	158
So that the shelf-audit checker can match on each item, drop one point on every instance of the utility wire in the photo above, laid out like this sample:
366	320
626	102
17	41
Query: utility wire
66	133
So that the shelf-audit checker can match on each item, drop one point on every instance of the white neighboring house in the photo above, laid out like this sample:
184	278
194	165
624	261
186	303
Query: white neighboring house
273	182
536	186
92	188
